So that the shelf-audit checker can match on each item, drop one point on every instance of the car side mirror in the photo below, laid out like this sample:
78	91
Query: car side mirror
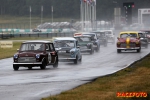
78	46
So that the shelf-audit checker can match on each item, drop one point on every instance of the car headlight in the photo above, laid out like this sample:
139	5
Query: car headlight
95	43
16	56
118	42
88	44
37	55
72	52
137	42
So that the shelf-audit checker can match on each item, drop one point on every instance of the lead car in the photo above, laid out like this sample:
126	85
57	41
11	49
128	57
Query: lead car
36	53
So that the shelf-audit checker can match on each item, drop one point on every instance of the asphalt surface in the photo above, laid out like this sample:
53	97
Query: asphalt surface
36	83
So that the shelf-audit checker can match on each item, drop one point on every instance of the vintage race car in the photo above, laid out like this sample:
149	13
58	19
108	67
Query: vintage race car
147	34
110	35
128	41
85	43
35	53
95	40
102	37
67	49
144	39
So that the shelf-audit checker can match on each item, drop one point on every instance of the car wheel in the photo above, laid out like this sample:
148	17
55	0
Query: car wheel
138	50
56	64
15	67
43	66
118	51
76	60
92	51
30	67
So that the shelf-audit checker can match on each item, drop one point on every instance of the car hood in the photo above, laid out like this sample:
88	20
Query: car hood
84	43
28	54
63	49
128	40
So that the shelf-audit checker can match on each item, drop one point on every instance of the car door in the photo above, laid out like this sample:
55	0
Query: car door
53	53
48	51
97	40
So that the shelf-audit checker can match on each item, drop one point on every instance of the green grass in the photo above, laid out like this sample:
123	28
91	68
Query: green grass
9	52
131	79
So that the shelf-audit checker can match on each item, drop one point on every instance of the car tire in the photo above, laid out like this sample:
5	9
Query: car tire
76	60
15	67
92	51
43	66
138	50
118	51
56	64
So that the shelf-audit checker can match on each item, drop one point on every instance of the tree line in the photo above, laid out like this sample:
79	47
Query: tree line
65	8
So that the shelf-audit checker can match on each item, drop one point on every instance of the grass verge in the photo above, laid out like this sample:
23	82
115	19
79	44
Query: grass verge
9	52
132	79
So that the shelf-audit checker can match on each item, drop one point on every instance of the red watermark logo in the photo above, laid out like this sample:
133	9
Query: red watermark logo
131	94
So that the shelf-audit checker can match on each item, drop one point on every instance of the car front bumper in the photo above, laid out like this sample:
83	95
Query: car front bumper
66	59
135	48
85	50
28	64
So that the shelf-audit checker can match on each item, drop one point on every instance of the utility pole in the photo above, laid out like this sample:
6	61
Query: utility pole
30	17
41	14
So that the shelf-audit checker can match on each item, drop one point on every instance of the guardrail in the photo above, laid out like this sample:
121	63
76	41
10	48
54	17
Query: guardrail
36	34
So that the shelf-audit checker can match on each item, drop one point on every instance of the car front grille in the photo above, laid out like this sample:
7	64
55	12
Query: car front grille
125	45
26	60
132	45
64	54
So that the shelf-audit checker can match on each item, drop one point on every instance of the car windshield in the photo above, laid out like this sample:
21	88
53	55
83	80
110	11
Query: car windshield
32	46
92	35
148	33
83	39
133	35
108	32
125	35
101	34
64	43
141	35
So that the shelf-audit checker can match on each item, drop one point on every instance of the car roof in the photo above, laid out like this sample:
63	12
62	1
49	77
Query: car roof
65	38
98	31
89	33
82	36
129	32
37	41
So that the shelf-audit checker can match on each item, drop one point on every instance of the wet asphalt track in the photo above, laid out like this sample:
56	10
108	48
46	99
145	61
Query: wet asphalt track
34	84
